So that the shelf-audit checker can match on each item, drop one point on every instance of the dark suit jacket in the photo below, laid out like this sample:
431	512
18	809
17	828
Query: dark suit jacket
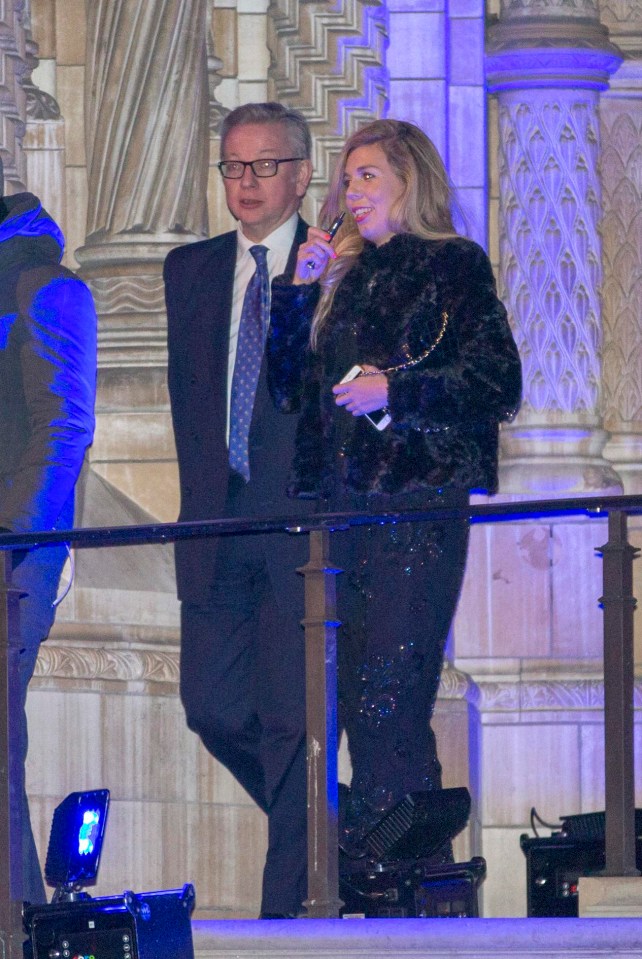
199	281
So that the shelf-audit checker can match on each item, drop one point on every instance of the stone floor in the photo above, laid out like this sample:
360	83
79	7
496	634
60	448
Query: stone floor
419	939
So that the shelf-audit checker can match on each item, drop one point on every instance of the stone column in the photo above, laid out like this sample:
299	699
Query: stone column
621	121
44	140
147	144
327	60
12	93
548	62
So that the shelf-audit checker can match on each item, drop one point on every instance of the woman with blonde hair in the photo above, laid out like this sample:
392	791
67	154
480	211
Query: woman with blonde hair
393	344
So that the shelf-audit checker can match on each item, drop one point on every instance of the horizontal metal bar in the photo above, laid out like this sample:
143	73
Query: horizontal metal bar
96	537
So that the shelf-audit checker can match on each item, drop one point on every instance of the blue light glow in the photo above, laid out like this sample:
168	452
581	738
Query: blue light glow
88	831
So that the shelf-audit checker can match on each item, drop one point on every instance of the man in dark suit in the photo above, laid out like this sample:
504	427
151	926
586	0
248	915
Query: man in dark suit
242	649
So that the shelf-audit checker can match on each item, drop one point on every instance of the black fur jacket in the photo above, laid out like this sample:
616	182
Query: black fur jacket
388	311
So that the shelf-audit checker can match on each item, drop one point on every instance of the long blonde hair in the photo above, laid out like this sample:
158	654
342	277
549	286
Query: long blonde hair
423	209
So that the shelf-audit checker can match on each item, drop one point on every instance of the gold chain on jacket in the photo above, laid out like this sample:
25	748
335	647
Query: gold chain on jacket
415	360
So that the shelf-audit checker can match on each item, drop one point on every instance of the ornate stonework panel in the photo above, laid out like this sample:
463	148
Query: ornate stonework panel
328	61
572	694
108	663
624	21
622	251
617	12
581	9
129	294
549	245
13	68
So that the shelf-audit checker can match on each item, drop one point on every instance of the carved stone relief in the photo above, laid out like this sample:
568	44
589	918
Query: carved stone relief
621	168
146	118
550	247
217	111
147	145
328	61
622	242
624	21
579	9
12	94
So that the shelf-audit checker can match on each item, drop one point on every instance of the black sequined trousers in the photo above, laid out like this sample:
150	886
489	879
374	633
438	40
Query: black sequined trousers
396	600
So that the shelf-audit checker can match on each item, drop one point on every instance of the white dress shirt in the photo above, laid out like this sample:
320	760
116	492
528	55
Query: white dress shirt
279	243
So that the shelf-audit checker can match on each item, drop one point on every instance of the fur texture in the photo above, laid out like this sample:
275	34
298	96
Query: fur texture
445	410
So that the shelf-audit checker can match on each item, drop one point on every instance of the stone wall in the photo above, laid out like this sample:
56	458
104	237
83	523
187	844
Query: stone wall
519	715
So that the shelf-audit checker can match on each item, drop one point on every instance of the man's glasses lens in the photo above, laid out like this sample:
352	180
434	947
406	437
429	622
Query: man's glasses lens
234	169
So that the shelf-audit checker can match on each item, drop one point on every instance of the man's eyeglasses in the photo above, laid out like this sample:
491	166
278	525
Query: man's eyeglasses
234	169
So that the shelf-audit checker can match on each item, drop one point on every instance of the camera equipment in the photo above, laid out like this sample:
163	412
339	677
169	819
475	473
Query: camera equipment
555	863
398	869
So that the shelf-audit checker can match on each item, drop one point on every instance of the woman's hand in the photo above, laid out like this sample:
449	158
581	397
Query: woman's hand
313	257
364	394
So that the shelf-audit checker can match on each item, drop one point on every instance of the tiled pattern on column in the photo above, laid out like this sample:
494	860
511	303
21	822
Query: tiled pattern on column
467	154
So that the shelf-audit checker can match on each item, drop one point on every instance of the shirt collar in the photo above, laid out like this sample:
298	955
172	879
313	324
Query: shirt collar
279	241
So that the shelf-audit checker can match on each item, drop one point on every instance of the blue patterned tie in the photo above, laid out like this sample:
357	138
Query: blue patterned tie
255	317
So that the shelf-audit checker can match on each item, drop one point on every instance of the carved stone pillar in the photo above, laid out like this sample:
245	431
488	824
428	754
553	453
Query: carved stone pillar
147	142
547	62
621	122
44	140
327	60
12	93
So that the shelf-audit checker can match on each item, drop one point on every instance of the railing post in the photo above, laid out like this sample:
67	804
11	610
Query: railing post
11	768
321	720
618	604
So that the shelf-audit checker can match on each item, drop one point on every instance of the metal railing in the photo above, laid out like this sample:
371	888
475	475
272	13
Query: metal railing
320	625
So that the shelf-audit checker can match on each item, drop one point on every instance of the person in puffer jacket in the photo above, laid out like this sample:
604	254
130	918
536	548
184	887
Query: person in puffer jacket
47	396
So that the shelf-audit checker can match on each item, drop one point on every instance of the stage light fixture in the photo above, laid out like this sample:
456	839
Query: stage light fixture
75	843
148	925
398	871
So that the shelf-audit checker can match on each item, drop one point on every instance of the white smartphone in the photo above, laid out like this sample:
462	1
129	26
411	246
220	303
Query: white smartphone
379	419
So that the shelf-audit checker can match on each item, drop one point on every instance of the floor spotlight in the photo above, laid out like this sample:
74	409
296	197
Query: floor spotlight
75	843
148	925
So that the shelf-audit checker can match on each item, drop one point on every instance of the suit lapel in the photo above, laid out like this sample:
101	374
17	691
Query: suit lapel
214	308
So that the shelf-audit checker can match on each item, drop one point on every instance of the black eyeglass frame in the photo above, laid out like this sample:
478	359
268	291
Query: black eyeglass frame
250	163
